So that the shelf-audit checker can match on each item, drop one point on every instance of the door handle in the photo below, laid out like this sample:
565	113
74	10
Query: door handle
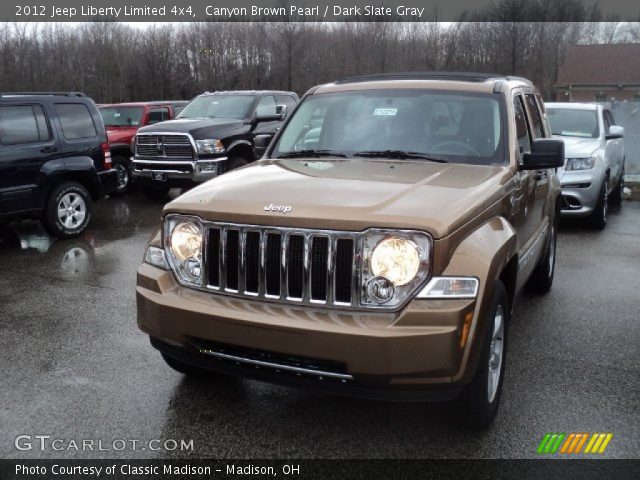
49	150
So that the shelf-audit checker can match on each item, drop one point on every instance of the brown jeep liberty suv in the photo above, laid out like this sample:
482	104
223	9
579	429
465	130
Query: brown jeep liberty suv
375	250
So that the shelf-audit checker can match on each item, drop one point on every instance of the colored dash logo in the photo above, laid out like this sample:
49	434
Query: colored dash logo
572	443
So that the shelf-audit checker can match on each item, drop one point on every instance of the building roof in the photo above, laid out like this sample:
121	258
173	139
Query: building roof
608	64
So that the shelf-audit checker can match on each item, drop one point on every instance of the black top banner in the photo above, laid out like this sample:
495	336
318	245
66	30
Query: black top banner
318	10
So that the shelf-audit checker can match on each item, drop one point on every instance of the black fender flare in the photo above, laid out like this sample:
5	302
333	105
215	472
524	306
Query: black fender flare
240	143
78	169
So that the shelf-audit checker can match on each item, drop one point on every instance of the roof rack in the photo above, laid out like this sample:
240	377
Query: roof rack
460	76
34	94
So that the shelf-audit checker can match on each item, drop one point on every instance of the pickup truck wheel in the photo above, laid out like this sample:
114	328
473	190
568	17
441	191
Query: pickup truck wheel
616	195
233	163
541	279
67	211
191	371
598	218
478	402
122	166
156	192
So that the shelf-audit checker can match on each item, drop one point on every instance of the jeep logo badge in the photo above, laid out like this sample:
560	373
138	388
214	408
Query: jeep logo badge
277	208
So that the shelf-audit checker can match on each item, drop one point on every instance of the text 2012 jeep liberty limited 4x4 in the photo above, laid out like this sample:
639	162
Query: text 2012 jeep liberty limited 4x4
375	250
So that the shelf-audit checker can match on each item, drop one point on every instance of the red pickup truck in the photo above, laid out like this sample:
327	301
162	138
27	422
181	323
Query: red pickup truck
122	121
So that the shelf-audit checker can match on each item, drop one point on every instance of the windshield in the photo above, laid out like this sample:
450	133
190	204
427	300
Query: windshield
218	106
121	116
407	124
570	122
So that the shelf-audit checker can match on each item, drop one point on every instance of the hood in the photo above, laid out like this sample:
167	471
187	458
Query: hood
121	134
198	127
350	194
578	147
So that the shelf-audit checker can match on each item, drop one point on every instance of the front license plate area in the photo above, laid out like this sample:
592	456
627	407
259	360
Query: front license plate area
159	176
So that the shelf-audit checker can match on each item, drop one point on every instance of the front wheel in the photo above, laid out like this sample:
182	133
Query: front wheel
123	167
233	163
598	218
479	400
68	210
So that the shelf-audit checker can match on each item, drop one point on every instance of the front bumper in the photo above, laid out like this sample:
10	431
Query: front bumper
176	171
108	181
580	192
390	355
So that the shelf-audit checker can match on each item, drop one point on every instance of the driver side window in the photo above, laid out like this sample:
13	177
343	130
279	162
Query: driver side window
522	131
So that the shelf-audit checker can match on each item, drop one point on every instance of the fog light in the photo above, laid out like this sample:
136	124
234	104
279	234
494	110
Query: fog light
208	167
193	267
380	289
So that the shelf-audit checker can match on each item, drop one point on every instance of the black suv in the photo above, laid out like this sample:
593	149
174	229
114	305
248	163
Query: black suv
214	133
54	160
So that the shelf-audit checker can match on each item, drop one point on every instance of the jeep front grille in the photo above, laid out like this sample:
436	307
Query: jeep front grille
282	264
164	146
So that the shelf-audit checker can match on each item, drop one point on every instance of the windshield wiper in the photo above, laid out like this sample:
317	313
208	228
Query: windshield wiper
399	154
312	153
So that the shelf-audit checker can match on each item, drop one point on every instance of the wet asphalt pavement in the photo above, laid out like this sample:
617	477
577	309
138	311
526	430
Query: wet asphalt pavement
75	366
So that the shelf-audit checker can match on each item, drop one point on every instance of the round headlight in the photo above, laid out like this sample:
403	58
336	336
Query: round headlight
396	259
186	241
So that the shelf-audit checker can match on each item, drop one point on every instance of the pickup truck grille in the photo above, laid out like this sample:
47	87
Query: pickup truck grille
163	146
283	265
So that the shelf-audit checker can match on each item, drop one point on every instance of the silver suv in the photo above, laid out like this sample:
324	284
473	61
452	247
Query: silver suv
593	174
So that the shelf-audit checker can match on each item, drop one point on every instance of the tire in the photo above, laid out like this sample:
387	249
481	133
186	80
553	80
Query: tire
479	401
125	179
191	371
616	195
68	210
233	163
541	279
156	192
598	218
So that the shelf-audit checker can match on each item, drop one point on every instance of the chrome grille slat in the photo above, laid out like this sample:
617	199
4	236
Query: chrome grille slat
223	257
242	266
284	266
330	272
306	268
270	256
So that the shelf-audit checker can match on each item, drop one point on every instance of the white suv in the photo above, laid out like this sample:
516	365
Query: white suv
593	174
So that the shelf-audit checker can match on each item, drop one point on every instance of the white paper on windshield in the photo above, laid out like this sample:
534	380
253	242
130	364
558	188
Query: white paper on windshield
389	112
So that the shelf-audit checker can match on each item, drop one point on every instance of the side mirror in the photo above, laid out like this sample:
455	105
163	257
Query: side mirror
615	131
545	153
281	112
262	141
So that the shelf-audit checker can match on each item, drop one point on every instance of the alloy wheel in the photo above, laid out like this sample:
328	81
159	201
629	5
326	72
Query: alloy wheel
496	350
123	175
72	210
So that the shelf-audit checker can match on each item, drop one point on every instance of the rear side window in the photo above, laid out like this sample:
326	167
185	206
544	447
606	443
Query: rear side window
266	106
76	121
21	124
522	132
158	115
536	118
287	100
